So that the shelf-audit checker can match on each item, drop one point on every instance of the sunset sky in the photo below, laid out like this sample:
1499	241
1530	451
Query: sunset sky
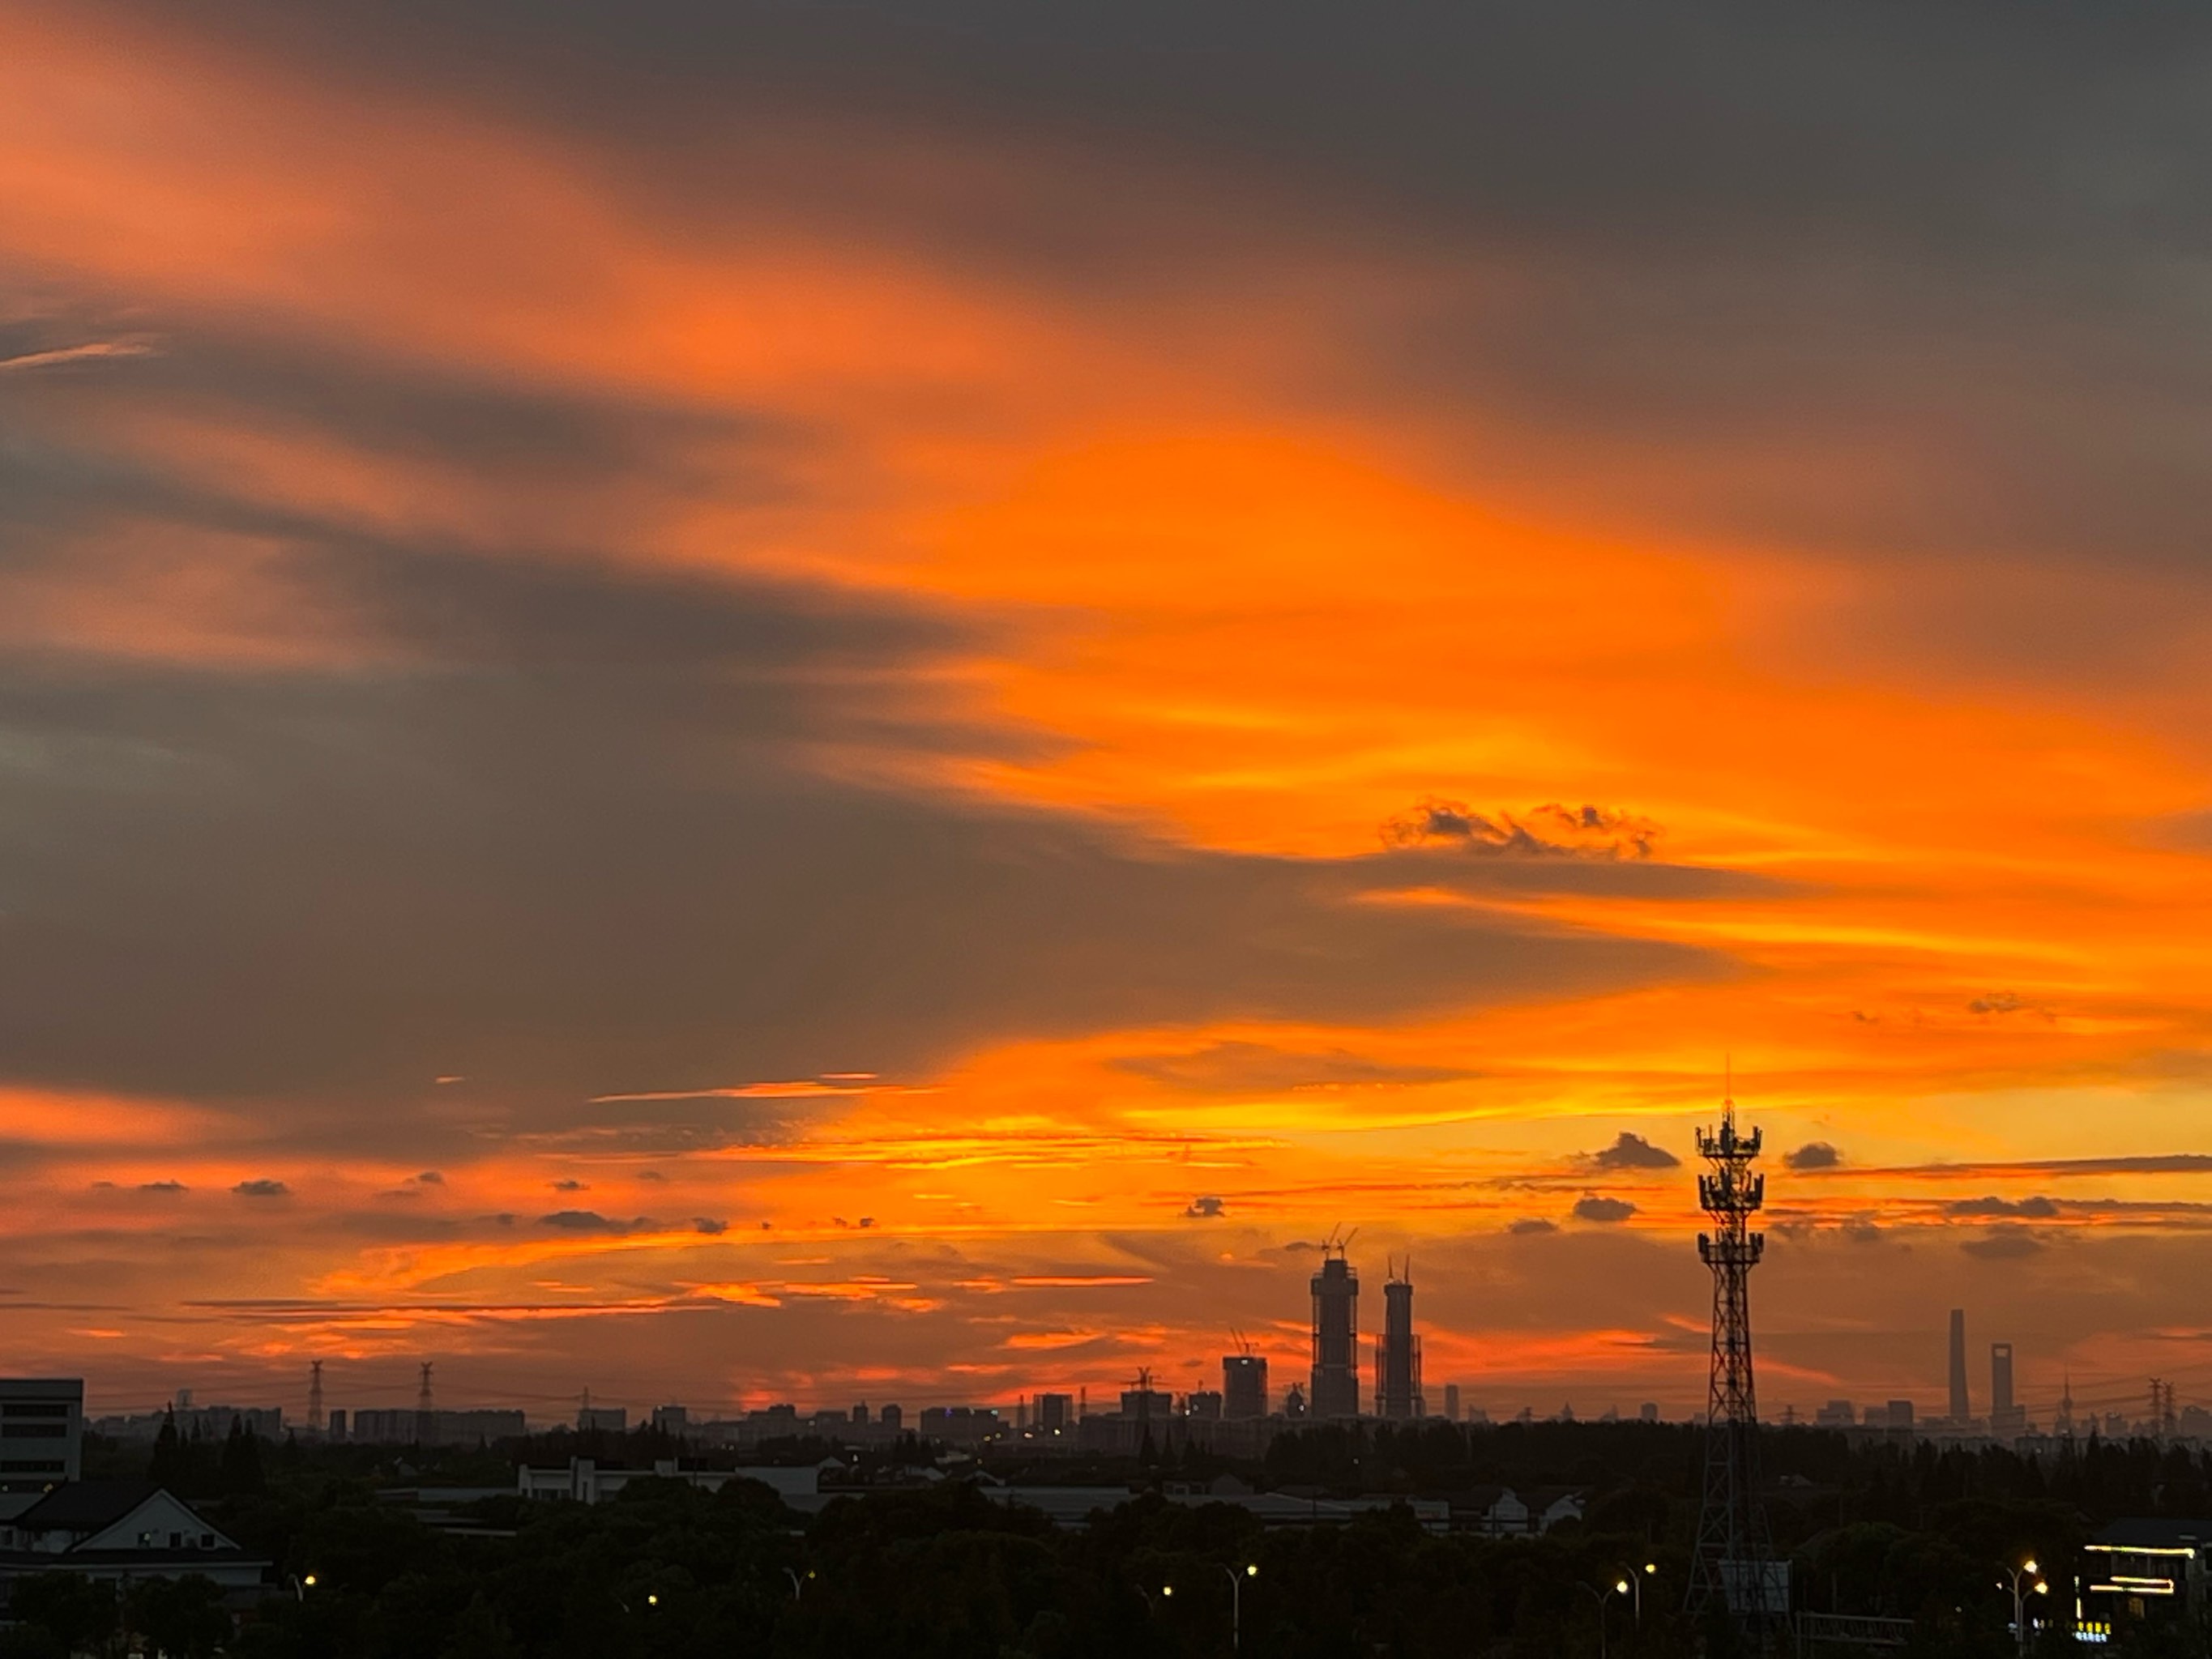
738	703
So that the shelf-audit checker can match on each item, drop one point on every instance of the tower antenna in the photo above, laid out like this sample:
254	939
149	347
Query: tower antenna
1733	1568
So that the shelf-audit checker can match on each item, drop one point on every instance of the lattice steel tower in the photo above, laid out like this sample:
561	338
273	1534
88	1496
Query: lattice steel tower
1734	1566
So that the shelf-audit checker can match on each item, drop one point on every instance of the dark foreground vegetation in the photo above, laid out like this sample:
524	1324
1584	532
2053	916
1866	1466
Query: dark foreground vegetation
946	1572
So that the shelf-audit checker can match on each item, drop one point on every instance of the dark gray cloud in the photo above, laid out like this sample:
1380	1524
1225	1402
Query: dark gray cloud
1525	1225
2037	1208
544	850
261	1187
1548	831
1630	1151
1813	1155
591	1221
1206	1208
1949	247
1594	1207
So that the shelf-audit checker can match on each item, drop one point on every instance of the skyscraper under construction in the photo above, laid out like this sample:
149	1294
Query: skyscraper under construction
1398	1351
1243	1386
1335	1336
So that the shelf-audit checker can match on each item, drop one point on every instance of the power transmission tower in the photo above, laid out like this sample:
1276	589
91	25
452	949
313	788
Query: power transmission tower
315	1395
1733	1569
426	1414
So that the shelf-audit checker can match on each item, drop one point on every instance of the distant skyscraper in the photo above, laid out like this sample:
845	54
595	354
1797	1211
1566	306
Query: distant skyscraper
315	1395
2005	1418
1243	1386
1961	1406
891	1417
1452	1400
1335	1337
1398	1352
1055	1412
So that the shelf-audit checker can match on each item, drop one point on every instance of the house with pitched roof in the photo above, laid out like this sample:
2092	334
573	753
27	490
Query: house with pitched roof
119	1531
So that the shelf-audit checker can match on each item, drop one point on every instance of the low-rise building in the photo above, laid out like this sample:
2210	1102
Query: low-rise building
117	1530
585	1481
2145	1569
41	1431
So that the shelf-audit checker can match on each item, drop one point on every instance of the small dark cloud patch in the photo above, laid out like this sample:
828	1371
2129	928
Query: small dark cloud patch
708	1224
651	1174
1548	831
430	1178
1205	1207
1530	1224
1596	1206
1813	1155
261	1188
1861	1231
571	1185
504	1218
590	1221
2003	1244
163	1187
1631	1152
1996	1002
2038	1209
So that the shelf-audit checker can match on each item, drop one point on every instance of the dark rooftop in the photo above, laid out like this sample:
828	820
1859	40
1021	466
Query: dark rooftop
85	1505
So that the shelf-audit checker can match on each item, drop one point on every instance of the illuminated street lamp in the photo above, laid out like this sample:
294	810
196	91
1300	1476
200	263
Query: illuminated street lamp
1632	1583
1237	1603
2026	1578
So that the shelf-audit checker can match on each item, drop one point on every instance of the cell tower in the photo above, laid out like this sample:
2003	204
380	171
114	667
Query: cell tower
315	1395
426	1414
1734	1567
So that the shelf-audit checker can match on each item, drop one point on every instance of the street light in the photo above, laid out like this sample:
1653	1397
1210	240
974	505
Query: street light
1237	1603
796	1585
1632	1583
1619	1587
2026	1574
